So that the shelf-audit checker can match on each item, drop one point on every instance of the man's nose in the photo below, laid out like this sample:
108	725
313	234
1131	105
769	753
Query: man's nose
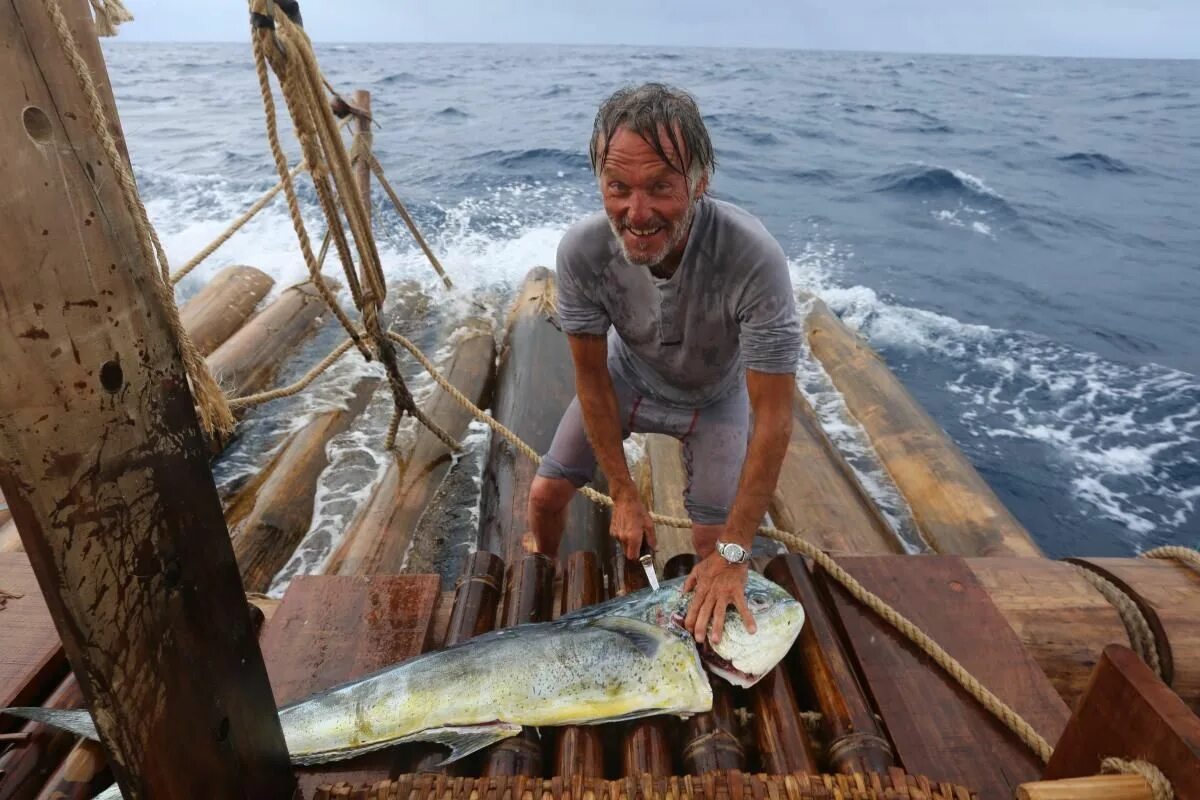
639	209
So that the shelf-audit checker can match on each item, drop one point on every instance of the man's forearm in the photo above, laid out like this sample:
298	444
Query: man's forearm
772	402
601	420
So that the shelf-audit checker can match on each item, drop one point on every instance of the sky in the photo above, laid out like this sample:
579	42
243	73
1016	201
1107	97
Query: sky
1089	28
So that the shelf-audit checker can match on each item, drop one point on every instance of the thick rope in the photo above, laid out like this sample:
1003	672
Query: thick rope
377	168
1185	555
251	400
213	411
236	226
108	15
1160	787
1141	637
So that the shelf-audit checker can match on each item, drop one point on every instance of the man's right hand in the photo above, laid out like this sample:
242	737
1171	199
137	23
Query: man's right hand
631	522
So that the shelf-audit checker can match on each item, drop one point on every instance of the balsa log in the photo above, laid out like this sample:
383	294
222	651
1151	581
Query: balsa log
1061	619
535	383
216	312
667	481
251	357
379	538
579	751
819	497
953	507
272	512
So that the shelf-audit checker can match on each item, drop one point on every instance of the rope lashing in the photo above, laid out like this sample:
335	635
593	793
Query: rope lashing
1141	637
1160	787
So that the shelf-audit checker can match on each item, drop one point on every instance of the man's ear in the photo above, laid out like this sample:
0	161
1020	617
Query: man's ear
701	187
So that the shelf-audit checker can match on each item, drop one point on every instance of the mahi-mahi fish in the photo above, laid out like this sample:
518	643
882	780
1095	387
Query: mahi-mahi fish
627	658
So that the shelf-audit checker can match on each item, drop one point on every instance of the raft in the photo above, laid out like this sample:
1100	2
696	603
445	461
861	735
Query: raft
854	711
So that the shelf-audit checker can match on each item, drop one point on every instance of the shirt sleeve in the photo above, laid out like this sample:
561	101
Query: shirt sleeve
578	311
769	323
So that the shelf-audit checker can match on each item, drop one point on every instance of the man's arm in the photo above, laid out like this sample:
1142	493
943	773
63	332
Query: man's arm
598	402
718	583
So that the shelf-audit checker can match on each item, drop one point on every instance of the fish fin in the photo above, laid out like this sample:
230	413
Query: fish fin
77	721
466	739
461	739
645	637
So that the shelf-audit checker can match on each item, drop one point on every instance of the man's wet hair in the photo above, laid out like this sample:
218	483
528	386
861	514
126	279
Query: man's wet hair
653	110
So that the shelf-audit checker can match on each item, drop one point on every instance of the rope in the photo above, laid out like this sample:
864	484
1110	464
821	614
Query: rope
1160	787
377	168
108	15
1185	555
251	400
211	407
1141	637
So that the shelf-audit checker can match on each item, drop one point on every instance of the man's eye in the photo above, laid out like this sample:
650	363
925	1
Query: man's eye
662	187
617	187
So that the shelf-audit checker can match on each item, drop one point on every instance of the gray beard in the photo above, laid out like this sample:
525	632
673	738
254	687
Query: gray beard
677	235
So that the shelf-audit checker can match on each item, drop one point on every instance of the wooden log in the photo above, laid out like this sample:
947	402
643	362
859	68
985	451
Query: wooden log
856	743
709	741
362	167
24	769
645	743
529	597
1062	621
1127	712
535	383
250	358
81	775
579	751
1168	594
819	497
1096	787
953	507
378	539
101	458
272	512
668	479
216	312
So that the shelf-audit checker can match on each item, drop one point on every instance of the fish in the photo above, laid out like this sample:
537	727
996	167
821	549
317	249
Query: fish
624	659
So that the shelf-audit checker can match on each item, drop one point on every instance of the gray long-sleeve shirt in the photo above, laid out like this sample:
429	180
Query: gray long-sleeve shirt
685	341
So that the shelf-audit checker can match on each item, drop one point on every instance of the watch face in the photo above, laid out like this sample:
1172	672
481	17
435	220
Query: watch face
733	552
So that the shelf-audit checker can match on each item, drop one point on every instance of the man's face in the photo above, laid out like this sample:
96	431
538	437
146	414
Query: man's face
647	202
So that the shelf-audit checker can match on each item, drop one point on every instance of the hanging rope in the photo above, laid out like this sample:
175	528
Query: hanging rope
211	407
377	169
108	15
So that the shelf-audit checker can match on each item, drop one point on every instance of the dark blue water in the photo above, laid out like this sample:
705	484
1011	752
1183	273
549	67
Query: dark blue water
1017	236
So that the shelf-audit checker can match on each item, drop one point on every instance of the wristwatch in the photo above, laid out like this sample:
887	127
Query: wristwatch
733	552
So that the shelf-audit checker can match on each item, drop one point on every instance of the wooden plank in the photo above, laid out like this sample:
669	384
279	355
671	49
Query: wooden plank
31	655
332	629
1129	713
1168	593
938	729
668	480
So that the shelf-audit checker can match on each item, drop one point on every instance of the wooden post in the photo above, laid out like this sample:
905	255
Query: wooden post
579	751
101	457
362	167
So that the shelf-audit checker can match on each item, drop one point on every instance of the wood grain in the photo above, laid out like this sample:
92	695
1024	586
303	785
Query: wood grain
223	305
31	658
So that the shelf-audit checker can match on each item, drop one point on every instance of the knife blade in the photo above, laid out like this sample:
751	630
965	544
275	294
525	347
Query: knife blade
646	558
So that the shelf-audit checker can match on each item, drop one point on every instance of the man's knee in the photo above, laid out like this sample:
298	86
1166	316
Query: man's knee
549	495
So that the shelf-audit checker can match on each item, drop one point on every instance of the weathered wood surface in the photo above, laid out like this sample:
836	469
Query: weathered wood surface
1096	787
819	498
31	657
1061	619
101	458
668	479
854	740
535	382
332	629
249	359
1129	713
1168	594
937	728
215	312
81	775
953	507
579	750
272	512
27	767
378	539
528	597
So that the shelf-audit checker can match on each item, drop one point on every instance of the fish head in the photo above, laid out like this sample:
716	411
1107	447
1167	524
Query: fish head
744	658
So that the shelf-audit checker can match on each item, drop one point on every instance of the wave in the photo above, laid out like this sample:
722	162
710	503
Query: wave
1095	162
450	112
964	190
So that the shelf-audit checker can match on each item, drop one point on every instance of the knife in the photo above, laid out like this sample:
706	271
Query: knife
646	558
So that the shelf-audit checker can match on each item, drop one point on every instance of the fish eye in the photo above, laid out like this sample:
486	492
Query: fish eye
757	601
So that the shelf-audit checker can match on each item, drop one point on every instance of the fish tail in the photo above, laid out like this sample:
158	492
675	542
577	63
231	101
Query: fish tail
77	721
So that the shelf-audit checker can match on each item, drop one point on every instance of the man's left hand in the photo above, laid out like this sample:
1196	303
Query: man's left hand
718	585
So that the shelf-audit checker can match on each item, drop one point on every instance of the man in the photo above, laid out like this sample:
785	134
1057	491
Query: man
681	320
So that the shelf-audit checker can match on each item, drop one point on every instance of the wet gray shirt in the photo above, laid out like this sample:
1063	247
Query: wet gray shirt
687	340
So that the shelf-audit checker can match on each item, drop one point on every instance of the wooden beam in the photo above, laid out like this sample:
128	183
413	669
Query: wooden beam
362	168
101	457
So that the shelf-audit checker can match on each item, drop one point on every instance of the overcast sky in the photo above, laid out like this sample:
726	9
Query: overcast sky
1113	28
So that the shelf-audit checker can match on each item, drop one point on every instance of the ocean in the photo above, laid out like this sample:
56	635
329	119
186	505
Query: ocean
1016	236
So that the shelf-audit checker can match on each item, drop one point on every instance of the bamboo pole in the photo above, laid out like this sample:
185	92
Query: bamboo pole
784	746
855	741
1097	787
529	597
271	513
953	507
101	457
219	309
579	750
